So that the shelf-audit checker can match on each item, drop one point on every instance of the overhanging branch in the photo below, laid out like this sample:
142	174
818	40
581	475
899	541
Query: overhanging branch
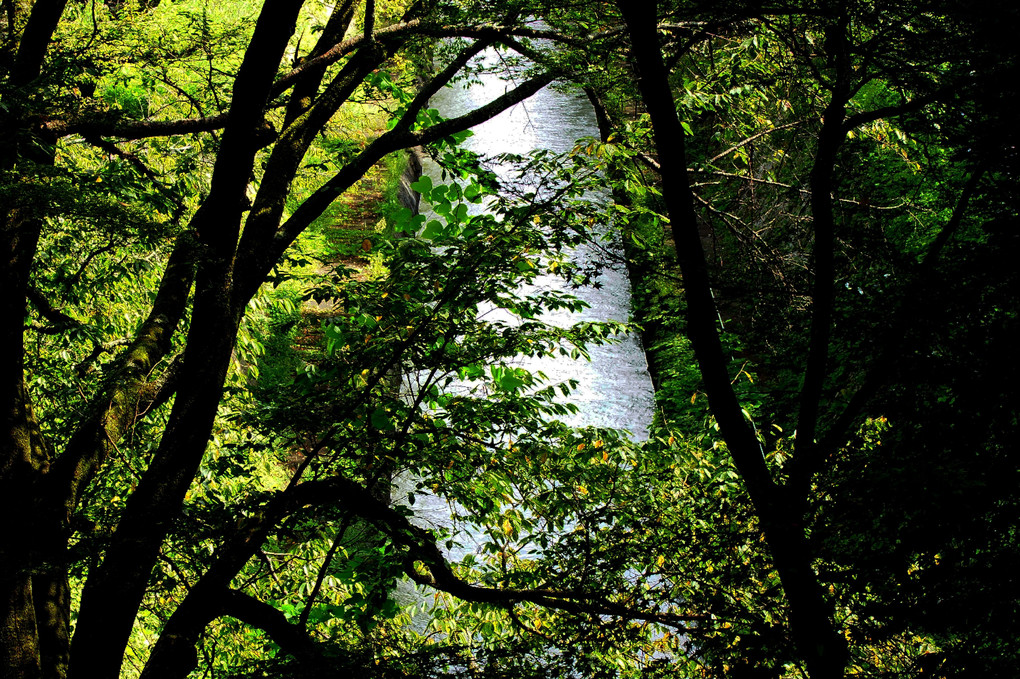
134	129
394	140
864	117
422	548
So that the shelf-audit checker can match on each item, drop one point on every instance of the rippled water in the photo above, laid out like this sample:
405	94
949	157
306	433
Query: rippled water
614	388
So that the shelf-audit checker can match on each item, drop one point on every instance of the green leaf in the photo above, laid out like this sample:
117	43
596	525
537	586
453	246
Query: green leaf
434	229
423	185
380	419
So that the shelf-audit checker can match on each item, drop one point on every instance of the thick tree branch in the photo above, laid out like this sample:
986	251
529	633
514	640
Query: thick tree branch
398	138
173	655
916	104
823	177
291	638
304	121
479	115
174	652
701	316
143	129
327	57
114	409
937	245
134	129
422	548
416	27
176	657
439	576
369	21
438	82
340	20
114	591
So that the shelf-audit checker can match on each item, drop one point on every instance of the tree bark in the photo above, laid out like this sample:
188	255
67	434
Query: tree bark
811	621
23	458
33	621
114	592
830	138
35	40
52	598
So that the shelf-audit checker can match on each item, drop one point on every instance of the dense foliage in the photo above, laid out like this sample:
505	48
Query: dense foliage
236	375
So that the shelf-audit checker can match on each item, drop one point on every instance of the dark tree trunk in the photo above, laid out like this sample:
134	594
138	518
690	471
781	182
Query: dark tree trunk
21	460
811	621
113	594
34	604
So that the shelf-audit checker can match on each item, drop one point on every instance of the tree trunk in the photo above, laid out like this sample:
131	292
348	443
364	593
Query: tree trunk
811	622
23	458
115	591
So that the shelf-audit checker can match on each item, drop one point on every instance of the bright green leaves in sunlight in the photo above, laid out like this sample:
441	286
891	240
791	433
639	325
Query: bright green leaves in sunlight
510	379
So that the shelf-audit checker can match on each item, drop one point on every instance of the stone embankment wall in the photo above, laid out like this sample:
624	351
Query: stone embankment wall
406	196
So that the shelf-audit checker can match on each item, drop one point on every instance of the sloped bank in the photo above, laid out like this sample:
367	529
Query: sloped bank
659	309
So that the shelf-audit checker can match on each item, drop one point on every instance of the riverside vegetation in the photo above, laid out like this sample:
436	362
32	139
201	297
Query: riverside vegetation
215	357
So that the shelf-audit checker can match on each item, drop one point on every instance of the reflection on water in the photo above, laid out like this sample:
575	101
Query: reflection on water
614	388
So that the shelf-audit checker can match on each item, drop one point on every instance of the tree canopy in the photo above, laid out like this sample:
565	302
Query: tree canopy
234	365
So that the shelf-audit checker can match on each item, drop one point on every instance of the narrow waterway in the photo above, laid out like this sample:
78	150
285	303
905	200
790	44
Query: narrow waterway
614	388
